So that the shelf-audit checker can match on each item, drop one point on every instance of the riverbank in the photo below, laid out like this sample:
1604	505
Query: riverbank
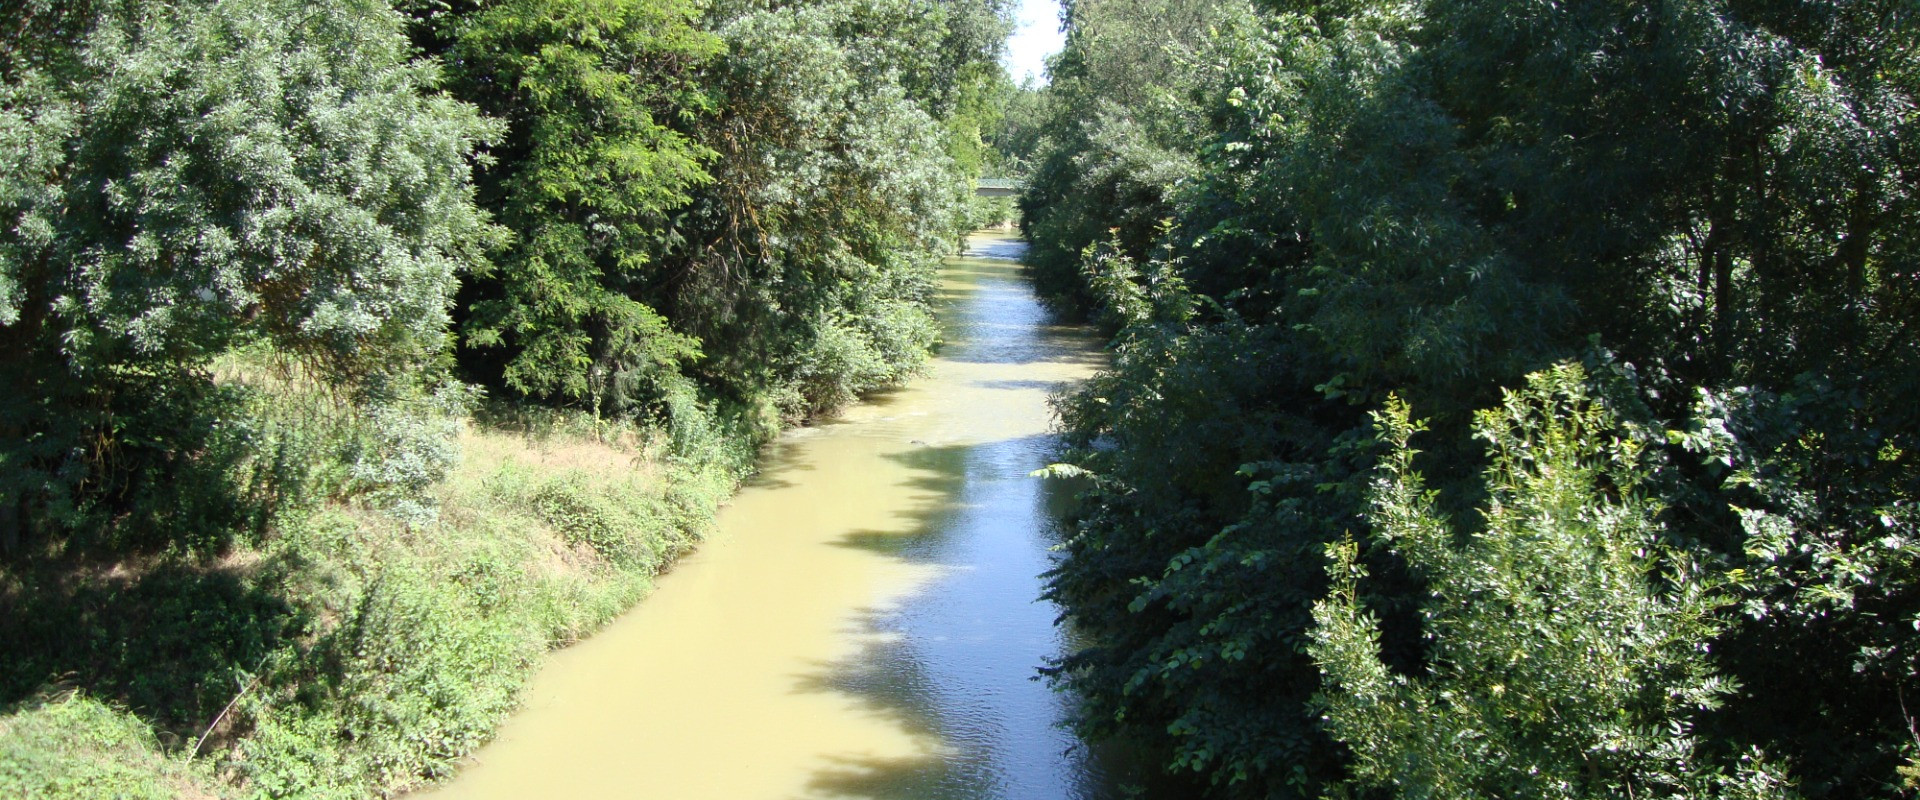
343	652
346	653
865	620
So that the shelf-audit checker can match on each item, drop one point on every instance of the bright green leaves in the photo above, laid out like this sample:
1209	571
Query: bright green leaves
596	94
593	89
1568	642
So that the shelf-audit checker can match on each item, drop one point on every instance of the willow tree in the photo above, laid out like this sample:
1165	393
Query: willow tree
182	177
807	264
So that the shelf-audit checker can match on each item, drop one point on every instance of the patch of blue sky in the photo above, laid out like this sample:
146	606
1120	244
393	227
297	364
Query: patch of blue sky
1036	35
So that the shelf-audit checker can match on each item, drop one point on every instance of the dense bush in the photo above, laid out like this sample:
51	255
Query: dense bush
1710	202
597	95
809	266
196	176
1568	635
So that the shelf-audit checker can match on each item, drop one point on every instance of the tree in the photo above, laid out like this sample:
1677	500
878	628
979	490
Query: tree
1432	200
203	174
1125	117
598	96
807	269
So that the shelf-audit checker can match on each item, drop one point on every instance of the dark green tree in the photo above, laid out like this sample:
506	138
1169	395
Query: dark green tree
1433	200
596	95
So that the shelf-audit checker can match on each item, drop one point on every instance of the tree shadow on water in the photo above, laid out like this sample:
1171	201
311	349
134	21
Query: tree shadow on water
889	679
777	463
889	676
936	475
1047	386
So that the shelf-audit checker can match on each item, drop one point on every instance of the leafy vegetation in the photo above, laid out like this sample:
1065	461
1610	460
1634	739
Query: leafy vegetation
1112	142
1708	204
1568	640
76	746
361	352
590	170
189	182
290	292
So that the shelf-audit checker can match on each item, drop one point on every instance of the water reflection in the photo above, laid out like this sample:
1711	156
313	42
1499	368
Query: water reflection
958	659
866	624
999	247
990	316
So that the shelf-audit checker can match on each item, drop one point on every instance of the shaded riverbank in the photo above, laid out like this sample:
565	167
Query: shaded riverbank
864	622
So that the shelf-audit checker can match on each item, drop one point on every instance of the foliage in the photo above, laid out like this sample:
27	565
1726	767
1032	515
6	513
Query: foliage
434	635
1017	136
596	94
1711	201
1193	568
704	205
76	746
1122	117
233	231
224	173
358	653
810	264
1569	642
407	446
198	176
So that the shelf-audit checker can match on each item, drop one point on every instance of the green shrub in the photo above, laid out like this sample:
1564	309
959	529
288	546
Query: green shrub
840	363
74	746
1568	641
405	446
412	679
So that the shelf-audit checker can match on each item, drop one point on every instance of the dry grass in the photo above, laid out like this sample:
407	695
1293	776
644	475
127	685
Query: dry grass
625	456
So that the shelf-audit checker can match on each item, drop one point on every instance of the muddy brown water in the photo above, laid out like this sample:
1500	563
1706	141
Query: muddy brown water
865	623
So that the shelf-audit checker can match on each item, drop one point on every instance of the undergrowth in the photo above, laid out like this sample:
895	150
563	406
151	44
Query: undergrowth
378	619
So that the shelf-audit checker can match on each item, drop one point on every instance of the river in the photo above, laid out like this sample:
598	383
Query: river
865	622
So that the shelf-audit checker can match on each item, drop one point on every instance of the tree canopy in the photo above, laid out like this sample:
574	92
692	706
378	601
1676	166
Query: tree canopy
1709	204
264	265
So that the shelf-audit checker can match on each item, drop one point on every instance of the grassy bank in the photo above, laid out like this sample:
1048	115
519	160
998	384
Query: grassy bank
348	644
